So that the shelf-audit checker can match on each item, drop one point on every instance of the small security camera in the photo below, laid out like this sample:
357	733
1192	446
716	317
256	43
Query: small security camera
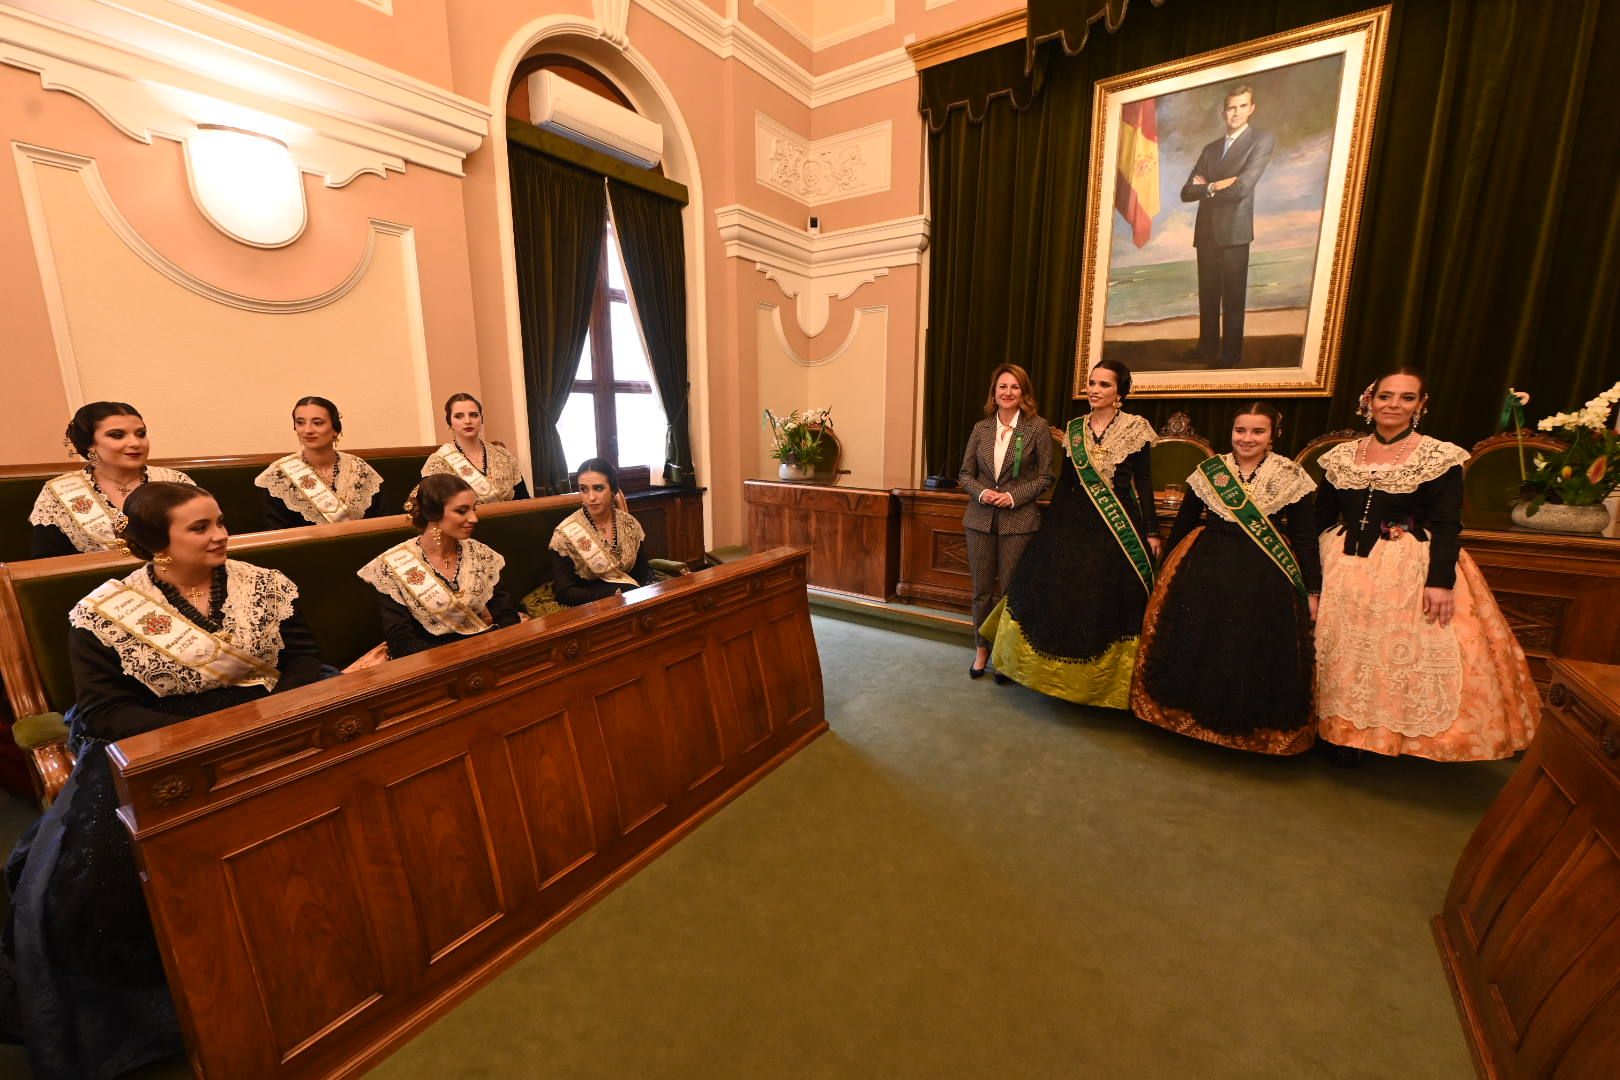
815	225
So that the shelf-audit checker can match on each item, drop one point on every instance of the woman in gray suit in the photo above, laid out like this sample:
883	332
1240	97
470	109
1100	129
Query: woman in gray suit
1008	463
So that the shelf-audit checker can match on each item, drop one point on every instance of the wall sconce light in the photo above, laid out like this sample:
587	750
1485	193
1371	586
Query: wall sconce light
246	184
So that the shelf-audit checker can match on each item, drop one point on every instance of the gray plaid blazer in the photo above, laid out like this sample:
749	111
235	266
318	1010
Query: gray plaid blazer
979	474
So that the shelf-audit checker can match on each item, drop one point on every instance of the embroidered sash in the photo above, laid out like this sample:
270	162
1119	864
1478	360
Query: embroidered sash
89	513
597	557
156	624
1255	524
437	607
313	489
465	469
1102	497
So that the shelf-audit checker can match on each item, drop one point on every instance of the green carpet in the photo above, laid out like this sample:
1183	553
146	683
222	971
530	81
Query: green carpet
966	880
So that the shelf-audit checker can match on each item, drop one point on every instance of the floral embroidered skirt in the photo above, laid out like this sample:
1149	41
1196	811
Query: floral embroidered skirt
1390	681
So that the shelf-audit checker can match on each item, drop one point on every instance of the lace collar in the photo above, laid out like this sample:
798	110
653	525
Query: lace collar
257	601
1431	458
49	510
1278	483
357	484
503	475
1124	437
629	534
476	578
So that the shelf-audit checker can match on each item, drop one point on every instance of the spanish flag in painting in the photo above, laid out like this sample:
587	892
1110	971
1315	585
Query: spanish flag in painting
1136	189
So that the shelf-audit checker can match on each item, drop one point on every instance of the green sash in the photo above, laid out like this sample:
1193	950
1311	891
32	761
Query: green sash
1102	497
1255	524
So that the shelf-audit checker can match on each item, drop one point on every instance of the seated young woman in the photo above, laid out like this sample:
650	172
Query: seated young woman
190	632
80	510
316	485
598	550
442	585
492	470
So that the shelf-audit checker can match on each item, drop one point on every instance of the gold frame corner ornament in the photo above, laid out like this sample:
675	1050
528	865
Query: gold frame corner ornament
1367	30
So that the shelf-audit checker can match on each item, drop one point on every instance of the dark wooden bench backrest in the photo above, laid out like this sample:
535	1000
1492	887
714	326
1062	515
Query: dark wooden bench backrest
322	560
229	479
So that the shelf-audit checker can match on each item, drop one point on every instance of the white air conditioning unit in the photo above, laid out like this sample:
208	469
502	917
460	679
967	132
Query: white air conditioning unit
576	113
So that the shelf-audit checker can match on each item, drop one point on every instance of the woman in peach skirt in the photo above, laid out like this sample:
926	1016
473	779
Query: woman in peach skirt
1412	654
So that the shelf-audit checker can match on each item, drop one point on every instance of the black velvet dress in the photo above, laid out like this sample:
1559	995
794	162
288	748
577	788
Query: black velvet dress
81	979
1227	653
573	587
1069	623
359	488
409	629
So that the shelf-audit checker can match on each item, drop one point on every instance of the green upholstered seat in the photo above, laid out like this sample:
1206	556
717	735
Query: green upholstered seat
339	607
230	481
1175	457
39	730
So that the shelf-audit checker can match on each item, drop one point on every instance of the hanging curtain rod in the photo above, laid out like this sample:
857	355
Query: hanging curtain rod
553	145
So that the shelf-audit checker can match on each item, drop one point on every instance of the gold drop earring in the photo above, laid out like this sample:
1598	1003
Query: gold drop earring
162	560
438	536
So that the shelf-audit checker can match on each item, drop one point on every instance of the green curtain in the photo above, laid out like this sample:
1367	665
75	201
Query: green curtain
654	247
1489	248
558	214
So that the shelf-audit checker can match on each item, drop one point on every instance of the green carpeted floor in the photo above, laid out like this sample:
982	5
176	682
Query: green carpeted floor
968	880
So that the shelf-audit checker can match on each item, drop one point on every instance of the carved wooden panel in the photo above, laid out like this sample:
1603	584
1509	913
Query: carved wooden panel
950	553
853	533
545	768
439	820
1535	620
746	676
789	693
1546	810
694	727
632	736
310	948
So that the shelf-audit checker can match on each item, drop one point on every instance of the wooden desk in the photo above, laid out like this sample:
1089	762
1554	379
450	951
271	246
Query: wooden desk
1560	593
853	533
1530	930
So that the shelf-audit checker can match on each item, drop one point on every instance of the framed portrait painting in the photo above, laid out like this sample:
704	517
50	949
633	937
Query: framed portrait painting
1225	193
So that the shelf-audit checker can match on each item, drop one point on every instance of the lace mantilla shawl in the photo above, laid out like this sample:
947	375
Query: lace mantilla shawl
257	601
1431	459
477	576
630	539
1279	483
504	473
48	510
1126	435
357	484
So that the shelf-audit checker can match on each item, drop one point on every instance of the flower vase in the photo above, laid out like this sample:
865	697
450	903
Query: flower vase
1560	518
793	470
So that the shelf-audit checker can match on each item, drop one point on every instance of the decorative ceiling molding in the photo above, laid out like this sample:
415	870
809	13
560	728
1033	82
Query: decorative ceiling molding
819	171
966	40
815	270
727	38
614	17
160	67
814	41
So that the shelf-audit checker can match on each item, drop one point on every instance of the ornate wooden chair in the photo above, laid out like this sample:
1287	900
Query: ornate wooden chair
1178	452
1491	475
1321	445
832	453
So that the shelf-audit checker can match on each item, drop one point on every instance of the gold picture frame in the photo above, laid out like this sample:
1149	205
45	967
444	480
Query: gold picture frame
1274	222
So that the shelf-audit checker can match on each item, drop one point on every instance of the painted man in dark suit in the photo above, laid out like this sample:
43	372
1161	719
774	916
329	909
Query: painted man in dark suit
1222	184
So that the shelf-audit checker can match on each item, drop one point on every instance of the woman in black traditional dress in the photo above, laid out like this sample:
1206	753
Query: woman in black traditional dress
491	469
599	550
79	511
190	632
317	485
1069	623
441	585
1226	652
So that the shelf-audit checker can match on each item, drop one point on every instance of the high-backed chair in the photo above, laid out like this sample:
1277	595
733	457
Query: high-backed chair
1178	452
1491	475
832	453
1321	445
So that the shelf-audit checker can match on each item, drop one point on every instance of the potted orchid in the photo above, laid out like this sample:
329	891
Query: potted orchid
796	440
1565	490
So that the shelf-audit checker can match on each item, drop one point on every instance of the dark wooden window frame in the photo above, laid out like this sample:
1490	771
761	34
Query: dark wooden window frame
602	386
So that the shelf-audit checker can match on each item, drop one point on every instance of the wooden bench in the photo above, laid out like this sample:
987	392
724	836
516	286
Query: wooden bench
229	479
36	595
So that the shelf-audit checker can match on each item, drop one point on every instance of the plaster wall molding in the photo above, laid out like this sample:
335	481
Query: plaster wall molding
727	38
818	171
29	158
614	18
836	354
160	67
814	271
808	37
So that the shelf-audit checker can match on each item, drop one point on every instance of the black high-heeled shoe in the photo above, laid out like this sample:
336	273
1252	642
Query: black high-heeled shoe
975	672
1002	680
